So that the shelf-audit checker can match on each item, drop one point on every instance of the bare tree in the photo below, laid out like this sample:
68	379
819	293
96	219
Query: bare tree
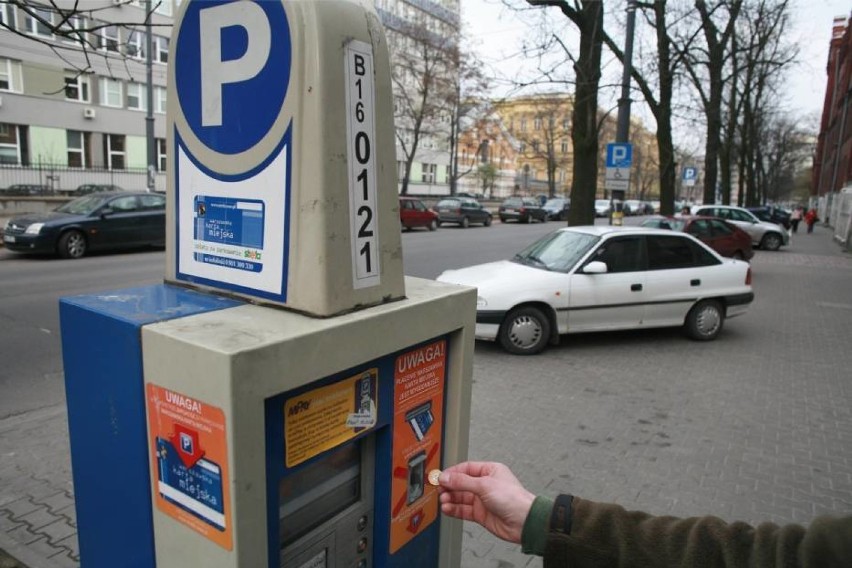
424	92
88	40
588	17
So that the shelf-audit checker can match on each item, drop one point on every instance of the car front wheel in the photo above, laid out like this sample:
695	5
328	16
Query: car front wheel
465	223
705	320
488	221
771	241
72	245
525	331
433	225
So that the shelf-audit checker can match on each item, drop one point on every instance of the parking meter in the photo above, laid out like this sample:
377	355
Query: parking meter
280	400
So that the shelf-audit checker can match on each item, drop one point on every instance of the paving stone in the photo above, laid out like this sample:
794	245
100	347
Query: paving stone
58	530
39	518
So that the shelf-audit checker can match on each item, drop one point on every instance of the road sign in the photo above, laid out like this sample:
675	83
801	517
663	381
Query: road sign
689	175
619	155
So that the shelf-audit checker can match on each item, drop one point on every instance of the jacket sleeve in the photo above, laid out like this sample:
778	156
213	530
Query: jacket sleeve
603	535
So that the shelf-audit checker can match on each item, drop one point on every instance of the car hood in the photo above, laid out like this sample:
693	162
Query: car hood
517	282
54	217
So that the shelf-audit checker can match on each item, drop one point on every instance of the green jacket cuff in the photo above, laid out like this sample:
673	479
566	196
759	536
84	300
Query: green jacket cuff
534	534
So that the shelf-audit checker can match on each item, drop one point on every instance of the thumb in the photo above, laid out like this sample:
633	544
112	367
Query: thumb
458	481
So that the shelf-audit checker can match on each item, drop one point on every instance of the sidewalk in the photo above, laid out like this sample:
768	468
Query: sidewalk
37	514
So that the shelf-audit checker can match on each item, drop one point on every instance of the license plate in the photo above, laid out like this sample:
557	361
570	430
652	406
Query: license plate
8	239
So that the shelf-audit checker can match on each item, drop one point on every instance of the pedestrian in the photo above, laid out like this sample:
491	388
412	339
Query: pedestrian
811	217
575	532
795	217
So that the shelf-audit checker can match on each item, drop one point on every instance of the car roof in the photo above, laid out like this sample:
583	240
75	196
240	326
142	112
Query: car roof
605	230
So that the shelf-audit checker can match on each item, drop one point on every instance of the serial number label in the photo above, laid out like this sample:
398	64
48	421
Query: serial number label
361	134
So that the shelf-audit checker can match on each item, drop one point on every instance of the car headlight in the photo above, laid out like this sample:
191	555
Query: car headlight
34	229
481	302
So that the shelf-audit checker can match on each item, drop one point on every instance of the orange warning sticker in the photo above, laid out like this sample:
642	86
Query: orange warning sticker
189	465
417	426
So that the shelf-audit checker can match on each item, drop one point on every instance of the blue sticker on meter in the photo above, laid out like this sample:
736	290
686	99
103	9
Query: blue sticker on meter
420	419
229	221
196	489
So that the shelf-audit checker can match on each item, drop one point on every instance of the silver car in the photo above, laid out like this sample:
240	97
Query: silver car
767	236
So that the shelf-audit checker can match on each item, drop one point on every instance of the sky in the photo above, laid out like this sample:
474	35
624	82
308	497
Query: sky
497	34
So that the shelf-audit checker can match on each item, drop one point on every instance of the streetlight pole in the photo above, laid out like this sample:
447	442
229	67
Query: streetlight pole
149	115
622	133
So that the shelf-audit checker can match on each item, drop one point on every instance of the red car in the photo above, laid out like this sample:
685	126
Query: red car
723	237
413	213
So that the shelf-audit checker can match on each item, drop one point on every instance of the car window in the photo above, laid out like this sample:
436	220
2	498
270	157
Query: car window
559	251
621	254
699	228
666	253
448	203
741	216
702	256
152	201
405	204
418	206
124	204
720	227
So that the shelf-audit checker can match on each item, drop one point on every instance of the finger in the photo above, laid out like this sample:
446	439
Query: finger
461	497
464	512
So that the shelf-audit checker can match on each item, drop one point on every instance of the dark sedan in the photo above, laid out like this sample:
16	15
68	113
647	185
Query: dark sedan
772	214
557	209
462	211
723	237
522	210
99	221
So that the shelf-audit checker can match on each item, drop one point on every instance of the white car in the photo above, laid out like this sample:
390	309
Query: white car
765	235
603	278
601	207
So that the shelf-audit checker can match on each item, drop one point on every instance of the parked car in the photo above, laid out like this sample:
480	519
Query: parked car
772	214
23	189
557	209
601	278
601	207
462	211
633	207
413	213
725	238
88	188
522	210
765	235
100	221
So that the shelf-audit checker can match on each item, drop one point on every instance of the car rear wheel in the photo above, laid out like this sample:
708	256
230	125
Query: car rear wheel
488	221
771	241
705	320
528	219
525	331
465	223
72	244
433	225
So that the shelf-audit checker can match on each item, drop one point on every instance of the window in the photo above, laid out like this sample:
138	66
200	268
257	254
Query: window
161	49
7	16
152	201
77	143
160	100
114	151
535	145
537	123
39	23
135	47
429	171
109	39
566	124
77	88
136	96
720	227
667	253
111	93
564	146
124	204
13	144
73	30
522	147
741	216
523	124
699	228
161	154
623	254
10	75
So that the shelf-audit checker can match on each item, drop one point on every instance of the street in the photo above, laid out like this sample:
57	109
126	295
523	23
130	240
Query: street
755	426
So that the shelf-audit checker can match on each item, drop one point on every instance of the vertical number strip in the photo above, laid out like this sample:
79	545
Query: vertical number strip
361	154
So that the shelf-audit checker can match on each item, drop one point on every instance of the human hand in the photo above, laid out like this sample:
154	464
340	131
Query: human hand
489	494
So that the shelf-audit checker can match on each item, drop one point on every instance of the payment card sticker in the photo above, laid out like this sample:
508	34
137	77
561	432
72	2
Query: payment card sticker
190	463
229	232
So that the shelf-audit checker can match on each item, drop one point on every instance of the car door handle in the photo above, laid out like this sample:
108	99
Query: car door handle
635	287
695	282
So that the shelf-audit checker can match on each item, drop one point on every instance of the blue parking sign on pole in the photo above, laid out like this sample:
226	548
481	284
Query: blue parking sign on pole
619	155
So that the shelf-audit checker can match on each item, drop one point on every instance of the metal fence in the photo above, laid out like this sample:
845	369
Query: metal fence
835	209
51	179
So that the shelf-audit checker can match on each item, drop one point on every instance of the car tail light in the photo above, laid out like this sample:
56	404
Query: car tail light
748	276
523	210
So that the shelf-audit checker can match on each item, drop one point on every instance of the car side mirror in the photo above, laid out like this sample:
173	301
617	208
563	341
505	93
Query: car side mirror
595	267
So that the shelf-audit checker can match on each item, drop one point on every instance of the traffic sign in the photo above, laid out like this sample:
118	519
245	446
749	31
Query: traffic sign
619	155
689	175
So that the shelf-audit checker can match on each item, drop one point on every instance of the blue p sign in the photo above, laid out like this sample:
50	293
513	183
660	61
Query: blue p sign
619	155
232	71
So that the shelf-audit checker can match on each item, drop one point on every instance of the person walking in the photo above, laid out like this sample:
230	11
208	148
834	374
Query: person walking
570	531
795	217
811	218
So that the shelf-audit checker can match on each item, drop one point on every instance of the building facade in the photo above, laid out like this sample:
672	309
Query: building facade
73	101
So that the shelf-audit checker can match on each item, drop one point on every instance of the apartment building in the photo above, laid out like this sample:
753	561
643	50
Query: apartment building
73	101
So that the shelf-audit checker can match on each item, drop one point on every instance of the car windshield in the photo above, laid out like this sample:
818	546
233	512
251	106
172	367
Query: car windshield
555	202
601	202
559	251
83	205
